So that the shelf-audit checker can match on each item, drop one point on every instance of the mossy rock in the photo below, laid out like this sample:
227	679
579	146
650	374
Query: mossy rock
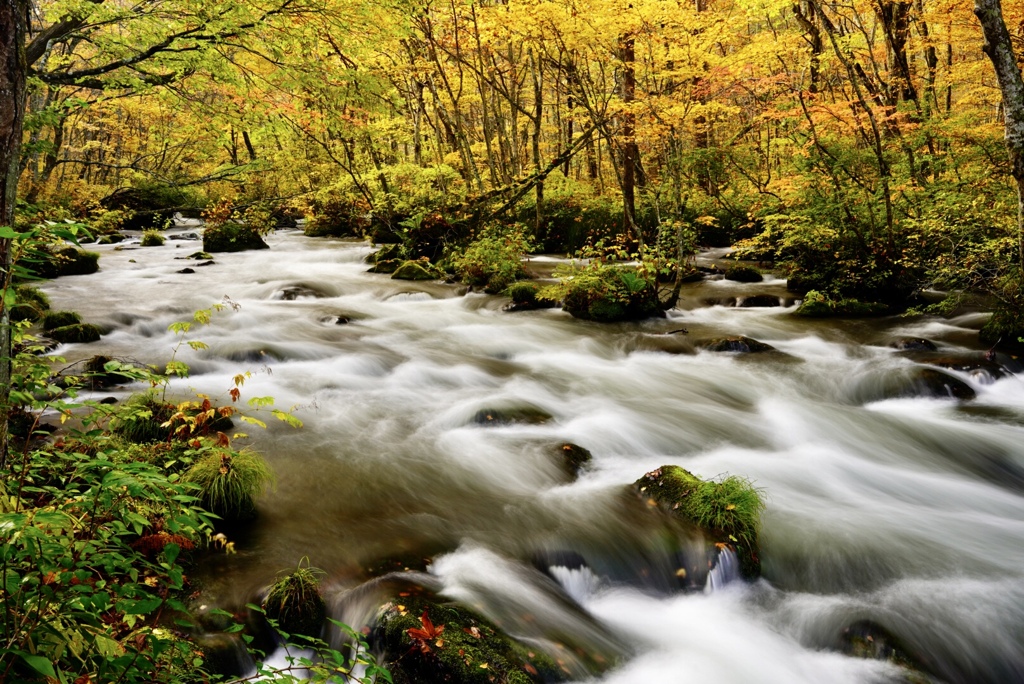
67	261
522	415
112	239
819	305
415	270
30	304
385	253
913	344
913	382
79	333
428	640
294	601
739	344
869	640
574	458
59	319
526	296
610	295
743	274
727	512
232	237
386	266
197	256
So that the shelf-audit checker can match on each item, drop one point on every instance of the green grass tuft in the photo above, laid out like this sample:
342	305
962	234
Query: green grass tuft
230	481
151	238
295	602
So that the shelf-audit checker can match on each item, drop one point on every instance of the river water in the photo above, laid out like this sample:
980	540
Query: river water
905	511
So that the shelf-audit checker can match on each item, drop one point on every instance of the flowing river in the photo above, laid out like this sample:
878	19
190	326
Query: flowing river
907	512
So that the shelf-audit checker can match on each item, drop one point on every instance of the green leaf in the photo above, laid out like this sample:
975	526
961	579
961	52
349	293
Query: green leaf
8	233
38	663
171	552
108	648
145	606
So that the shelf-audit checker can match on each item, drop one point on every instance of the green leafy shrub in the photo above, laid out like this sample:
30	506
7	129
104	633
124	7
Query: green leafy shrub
141	419
151	238
230	481
494	259
599	292
59	319
294	601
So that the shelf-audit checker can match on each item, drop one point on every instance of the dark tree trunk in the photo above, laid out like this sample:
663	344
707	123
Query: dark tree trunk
629	147
12	117
1000	50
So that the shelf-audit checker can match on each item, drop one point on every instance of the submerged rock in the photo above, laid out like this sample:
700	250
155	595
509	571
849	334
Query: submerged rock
869	640
728	512
908	383
300	291
740	344
574	458
526	414
913	344
743	274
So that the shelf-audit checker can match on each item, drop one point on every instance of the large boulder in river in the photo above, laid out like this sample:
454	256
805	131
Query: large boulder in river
908	383
727	512
67	261
232	237
743	274
610	294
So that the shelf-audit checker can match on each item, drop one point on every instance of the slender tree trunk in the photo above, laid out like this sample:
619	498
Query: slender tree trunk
1000	50
629	147
13	15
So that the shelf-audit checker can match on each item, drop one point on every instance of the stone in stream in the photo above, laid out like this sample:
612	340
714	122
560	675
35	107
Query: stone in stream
300	291
743	274
574	458
728	513
79	333
869	640
385	266
739	343
186	270
511	415
908	383
388	252
913	344
978	365
526	296
763	301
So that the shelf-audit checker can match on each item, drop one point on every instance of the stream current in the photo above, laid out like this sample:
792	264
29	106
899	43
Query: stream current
906	511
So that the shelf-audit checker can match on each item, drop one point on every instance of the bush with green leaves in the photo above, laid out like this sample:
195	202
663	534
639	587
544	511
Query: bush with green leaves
494	259
606	293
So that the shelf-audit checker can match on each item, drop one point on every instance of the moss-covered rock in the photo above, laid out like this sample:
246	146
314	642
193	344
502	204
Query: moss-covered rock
386	252
727	512
67	261
527	296
819	305
59	319
232	237
738	344
759	301
77	333
609	294
151	238
869	640
743	274
428	640
415	270
1004	329
386	266
30	304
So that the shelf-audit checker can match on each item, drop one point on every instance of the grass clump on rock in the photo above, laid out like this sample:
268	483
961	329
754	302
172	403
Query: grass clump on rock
598	292
493	260
295	603
727	512
526	296
230	481
420	269
151	238
68	261
142	419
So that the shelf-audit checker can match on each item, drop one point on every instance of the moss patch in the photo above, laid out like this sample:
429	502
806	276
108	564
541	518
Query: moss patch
60	319
295	603
819	305
431	641
78	333
728	511
415	270
151	238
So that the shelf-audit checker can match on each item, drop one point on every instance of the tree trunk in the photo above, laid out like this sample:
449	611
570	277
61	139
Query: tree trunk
1000	50
629	147
12	118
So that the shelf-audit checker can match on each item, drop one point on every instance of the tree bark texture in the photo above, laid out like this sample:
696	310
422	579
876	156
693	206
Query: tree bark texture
1000	50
